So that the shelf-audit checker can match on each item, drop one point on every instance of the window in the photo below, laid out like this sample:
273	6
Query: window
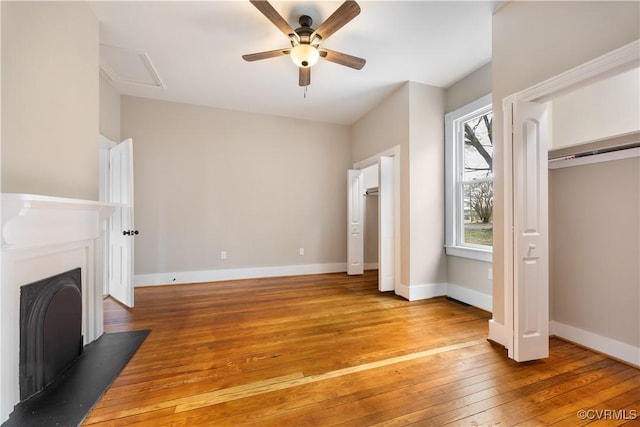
469	180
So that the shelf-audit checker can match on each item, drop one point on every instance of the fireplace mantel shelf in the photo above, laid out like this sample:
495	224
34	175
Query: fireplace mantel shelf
24	202
29	219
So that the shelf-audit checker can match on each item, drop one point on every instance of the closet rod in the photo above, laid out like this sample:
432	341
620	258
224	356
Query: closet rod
594	152
590	147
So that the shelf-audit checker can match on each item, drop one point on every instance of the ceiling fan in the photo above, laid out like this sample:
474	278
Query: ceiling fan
305	41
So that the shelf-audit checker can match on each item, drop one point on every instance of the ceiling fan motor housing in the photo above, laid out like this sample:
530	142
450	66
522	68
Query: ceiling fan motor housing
304	31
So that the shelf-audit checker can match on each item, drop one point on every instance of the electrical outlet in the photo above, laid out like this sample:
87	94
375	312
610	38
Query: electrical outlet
301	251
223	255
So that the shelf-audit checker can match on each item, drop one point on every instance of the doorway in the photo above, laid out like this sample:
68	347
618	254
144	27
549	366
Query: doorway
526	271
116	187
378	187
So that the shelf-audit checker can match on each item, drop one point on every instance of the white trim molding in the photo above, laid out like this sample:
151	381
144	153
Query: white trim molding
499	333
616	349
471	297
373	160
618	60
454	162
485	255
419	292
186	277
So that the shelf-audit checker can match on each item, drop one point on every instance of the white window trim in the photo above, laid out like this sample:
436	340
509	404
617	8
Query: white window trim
453	159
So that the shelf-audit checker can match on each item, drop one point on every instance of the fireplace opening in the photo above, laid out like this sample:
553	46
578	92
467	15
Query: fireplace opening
50	329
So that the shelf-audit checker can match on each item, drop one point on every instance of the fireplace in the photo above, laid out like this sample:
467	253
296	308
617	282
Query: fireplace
54	244
50	329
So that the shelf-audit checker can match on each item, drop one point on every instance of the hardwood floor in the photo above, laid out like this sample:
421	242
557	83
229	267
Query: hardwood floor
330	349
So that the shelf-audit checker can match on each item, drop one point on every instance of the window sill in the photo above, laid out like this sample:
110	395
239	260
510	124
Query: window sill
478	254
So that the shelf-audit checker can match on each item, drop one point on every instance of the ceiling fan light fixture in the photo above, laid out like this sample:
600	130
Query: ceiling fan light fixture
304	55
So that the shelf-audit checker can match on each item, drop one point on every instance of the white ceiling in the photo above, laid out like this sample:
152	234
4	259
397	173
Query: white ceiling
196	48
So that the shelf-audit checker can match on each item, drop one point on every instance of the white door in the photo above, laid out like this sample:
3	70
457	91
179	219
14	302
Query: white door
121	229
386	224
530	220
355	219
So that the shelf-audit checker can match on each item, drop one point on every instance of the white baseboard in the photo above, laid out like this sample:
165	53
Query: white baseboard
498	333
418	292
605	345
402	290
471	297
182	277
468	296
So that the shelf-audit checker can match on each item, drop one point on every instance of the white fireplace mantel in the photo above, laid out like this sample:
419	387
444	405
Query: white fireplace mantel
42	236
30	220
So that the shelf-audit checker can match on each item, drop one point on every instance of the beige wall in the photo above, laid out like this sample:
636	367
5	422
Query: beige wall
464	272
385	126
371	230
534	41
412	117
474	86
50	99
426	185
258	187
109	111
595	247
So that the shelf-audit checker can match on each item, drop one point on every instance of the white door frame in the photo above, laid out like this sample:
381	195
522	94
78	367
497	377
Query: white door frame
618	60
393	152
104	145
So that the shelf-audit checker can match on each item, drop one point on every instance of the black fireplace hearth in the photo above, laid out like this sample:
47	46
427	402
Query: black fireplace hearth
67	400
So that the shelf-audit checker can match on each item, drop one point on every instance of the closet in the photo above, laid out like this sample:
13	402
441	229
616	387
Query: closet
594	215
373	218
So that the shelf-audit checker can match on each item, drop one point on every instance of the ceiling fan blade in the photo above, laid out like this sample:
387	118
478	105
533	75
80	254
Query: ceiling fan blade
273	16
345	13
265	55
304	76
343	59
